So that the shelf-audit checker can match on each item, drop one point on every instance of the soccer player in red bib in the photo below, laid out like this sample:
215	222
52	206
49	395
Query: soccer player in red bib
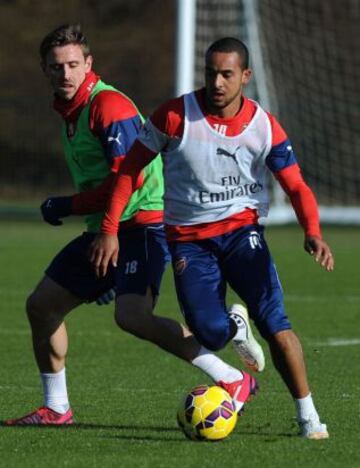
100	125
217	148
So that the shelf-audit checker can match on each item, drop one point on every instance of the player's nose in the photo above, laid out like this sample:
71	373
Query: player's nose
66	72
218	81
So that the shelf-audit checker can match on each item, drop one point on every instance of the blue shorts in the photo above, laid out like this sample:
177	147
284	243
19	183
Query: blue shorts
241	259
142	261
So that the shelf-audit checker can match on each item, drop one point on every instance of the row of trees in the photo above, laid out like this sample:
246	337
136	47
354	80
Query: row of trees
133	46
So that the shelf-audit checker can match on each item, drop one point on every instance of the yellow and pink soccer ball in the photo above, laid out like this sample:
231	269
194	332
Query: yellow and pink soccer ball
207	413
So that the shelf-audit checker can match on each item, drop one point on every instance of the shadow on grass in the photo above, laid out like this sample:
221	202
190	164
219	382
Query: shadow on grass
170	431
135	431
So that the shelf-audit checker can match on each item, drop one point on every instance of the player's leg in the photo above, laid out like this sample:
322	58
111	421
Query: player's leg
251	272
287	355
201	294
46	309
70	280
134	314
201	291
141	270
142	261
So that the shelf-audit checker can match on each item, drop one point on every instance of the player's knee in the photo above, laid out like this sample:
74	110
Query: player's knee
34	307
285	341
129	319
134	314
269	316
41	312
272	324
121	320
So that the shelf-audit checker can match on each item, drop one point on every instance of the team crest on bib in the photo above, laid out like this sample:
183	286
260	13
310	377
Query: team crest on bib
180	265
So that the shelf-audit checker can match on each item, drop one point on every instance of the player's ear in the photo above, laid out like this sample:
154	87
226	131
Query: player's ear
246	76
88	63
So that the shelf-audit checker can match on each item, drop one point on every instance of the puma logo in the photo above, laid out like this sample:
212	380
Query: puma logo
224	152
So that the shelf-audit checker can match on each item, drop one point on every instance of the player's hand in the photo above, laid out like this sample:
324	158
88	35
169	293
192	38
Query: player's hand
54	208
104	249
320	251
106	297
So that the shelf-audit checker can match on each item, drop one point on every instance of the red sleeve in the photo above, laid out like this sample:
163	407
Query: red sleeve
93	201
302	199
125	184
278	133
108	107
169	117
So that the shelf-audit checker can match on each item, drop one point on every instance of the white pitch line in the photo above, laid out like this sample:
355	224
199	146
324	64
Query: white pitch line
339	342
330	342
351	299
321	299
23	388
17	332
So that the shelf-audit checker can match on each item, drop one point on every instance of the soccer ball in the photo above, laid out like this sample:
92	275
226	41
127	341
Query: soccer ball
207	413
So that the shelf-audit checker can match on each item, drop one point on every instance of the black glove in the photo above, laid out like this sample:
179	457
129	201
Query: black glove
55	208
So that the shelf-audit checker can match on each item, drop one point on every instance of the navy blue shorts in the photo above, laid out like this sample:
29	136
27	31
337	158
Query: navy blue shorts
143	258
142	261
240	259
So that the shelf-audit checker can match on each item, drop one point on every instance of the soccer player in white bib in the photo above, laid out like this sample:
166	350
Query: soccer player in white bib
217	148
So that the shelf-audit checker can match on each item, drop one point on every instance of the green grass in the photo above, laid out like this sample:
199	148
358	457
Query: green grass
124	391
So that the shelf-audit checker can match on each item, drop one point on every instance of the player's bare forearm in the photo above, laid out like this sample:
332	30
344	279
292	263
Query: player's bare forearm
321	252
104	250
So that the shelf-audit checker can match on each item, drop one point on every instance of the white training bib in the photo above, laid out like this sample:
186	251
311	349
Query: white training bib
209	176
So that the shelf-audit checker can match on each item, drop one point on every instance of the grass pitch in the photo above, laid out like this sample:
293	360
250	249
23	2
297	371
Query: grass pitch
124	392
